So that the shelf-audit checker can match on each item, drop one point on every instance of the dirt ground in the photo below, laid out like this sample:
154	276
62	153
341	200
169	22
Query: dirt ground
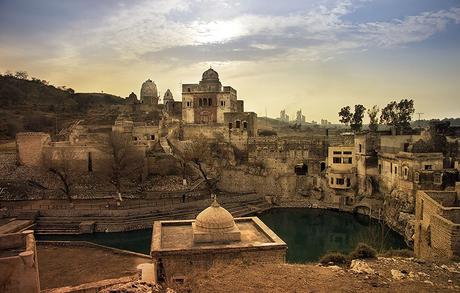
425	277
61	266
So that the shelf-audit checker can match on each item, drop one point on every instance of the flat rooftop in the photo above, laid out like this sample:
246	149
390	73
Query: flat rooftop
175	236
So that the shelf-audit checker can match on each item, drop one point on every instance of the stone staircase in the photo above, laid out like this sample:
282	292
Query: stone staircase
47	225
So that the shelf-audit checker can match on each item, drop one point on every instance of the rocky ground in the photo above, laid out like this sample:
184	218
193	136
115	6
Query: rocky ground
380	275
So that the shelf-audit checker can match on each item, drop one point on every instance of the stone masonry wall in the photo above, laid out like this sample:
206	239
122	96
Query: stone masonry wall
29	148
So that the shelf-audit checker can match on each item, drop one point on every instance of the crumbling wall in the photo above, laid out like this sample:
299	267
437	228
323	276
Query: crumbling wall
29	147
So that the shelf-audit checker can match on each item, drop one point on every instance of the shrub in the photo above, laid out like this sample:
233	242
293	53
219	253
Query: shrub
268	133
399	253
363	251
334	257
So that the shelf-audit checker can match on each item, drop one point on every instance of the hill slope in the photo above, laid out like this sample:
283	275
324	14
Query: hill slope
34	105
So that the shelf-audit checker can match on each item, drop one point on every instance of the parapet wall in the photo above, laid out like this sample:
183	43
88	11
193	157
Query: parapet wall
18	263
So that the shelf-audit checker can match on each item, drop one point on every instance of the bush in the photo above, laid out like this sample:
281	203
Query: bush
268	133
398	253
334	257
363	251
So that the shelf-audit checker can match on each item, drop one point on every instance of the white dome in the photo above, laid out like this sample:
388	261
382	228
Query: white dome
149	90
215	219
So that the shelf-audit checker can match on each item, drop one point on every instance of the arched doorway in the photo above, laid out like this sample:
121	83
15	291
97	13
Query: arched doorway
301	169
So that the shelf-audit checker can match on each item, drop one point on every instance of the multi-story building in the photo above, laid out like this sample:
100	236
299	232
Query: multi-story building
207	101
341	170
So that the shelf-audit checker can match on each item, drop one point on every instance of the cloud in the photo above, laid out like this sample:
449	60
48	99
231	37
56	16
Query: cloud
183	31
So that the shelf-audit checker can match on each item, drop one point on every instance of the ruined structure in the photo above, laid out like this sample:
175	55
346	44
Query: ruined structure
180	249
18	263
437	224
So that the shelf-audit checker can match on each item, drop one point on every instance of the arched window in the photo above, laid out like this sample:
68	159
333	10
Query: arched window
322	166
245	125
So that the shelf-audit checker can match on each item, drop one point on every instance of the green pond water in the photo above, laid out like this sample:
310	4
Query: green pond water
309	234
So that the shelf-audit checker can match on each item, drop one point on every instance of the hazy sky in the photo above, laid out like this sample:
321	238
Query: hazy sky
316	55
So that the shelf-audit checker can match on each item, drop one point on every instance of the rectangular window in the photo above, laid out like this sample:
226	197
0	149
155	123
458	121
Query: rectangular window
348	160
238	123
396	170
428	167
337	160
332	180
209	102
391	168
339	181
200	102
360	147
337	152
347	153
380	168
437	178
222	103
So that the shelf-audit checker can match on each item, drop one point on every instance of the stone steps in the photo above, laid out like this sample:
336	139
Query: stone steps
70	225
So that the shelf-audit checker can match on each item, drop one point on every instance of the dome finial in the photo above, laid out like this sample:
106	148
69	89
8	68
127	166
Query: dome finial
214	201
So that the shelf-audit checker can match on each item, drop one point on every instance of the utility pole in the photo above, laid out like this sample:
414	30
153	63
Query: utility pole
419	115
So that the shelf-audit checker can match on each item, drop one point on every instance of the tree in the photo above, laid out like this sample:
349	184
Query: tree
398	115
208	156
345	115
356	122
61	164
21	74
373	120
125	161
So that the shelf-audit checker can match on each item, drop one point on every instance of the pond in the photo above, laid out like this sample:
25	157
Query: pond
309	233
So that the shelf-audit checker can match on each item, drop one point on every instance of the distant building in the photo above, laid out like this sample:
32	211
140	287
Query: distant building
300	119
324	122
283	116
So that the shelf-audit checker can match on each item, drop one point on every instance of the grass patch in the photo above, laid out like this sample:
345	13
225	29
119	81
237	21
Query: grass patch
363	251
336	258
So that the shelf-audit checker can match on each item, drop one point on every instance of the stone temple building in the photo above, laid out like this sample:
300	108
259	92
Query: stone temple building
149	93
207	101
181	248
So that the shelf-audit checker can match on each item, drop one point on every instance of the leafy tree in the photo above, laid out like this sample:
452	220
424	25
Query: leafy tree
398	115
356	122
373	120
21	74
345	115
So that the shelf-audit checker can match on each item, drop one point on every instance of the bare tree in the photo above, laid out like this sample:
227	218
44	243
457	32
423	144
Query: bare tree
209	156
125	160
61	163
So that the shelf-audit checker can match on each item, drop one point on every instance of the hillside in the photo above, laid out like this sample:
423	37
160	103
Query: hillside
34	105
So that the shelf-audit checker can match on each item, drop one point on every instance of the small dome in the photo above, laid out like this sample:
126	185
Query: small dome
149	89
210	74
168	96
215	219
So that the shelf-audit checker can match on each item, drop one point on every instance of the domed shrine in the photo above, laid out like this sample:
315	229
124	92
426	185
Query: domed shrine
149	93
182	248
215	224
